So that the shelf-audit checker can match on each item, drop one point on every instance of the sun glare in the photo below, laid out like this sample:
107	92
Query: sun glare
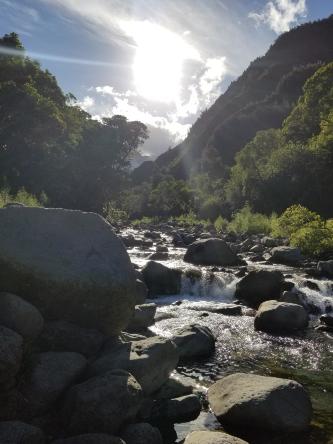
158	62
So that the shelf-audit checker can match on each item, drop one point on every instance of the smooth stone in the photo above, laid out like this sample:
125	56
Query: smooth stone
159	256
174	388
286	255
141	433
327	320
11	352
203	437
68	264
102	404
65	336
178	410
141	292
260	402
20	316
160	279
47	377
280	317
17	432
211	252
143	317
194	341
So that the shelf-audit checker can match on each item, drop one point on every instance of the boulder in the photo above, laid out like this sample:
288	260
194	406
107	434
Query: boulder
327	320
177	410
194	341
149	360
211	252
326	268
143	317
141	433
259	286
17	432
102	404
259	402
91	438
63	336
280	317
141	292
299	298
159	256
203	437
160	279
68	264
20	316
286	255
47	377
11	352
270	241
174	388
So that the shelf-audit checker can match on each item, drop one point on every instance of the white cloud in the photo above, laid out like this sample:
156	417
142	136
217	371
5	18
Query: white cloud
280	15
87	103
215	69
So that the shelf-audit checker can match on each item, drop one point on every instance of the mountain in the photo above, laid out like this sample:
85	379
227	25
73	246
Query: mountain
261	98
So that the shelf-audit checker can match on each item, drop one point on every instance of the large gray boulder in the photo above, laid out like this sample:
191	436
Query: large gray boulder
161	280
141	433
206	437
194	341
20	316
280	317
286	255
64	336
326	268
259	286
178	410
17	432
11	352
91	438
143	317
47	377
211	252
69	264
260	402
150	361
102	404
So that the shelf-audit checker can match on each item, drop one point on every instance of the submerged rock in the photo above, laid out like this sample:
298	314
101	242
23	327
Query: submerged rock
69	264
260	286
211	252
280	317
17	432
102	404
160	279
194	341
203	437
260	402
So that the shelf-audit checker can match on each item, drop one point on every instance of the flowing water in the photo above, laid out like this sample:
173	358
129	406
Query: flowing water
306	357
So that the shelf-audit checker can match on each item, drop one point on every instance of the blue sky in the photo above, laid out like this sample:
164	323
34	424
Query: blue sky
158	61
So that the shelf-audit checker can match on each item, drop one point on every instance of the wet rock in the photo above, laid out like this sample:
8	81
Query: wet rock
68	264
62	336
325	268
286	255
225	309
194	341
141	433
312	285
141	291
47	377
17	432
102	404
161	249
203	437
280	317
91	438
143	317
260	402
158	256
150	361
258	248
211	252
164	315
10	356
20	316
174	388
160	279
327	320
178	410
259	286
299	298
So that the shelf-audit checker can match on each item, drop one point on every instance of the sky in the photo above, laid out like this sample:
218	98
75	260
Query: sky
158	61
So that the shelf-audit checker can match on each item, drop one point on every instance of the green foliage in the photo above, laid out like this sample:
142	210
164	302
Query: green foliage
221	224
170	197
245	221
293	219
190	219
114	215
145	221
22	196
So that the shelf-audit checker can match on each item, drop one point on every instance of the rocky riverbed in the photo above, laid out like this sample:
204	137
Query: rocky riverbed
206	297
186	337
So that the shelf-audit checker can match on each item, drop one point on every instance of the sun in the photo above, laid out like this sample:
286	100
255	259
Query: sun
158	62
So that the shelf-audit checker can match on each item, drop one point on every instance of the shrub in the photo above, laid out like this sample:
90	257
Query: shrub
23	197
314	239
144	221
114	215
221	224
190	220
293	219
245	221
210	209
